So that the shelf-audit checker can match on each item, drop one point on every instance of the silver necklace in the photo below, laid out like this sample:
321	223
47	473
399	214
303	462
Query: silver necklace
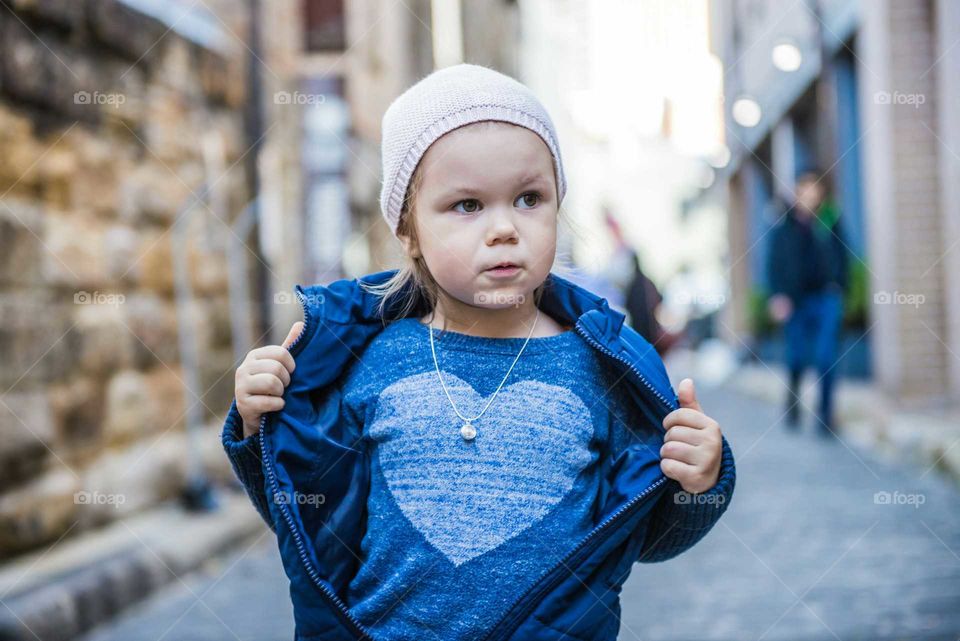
467	430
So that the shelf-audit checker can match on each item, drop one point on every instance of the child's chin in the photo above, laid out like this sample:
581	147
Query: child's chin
502	297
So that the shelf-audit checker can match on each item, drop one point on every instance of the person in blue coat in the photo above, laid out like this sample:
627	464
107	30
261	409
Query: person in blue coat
470	446
807	270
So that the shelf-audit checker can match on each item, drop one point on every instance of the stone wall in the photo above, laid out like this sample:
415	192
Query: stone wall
104	114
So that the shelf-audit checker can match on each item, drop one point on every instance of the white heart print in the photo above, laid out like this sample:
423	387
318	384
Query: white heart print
469	497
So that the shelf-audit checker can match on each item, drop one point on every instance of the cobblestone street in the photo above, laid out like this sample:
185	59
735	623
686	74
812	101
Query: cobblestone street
804	553
242	596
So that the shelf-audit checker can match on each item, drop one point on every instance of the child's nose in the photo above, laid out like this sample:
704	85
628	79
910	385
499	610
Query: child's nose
501	223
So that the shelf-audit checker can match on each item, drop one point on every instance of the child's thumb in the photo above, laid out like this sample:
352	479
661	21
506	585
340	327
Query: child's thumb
687	395
294	332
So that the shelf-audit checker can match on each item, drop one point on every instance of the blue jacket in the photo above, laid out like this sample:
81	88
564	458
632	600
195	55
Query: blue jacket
301	453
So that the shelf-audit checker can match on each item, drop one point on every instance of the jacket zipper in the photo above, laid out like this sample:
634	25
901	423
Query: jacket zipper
356	626
306	319
583	332
629	506
541	589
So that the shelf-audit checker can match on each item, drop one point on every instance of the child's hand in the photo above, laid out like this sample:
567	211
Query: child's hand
261	379
692	447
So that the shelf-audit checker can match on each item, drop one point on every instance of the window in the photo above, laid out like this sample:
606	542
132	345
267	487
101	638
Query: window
323	25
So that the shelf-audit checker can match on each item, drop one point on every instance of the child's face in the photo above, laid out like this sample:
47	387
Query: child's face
488	195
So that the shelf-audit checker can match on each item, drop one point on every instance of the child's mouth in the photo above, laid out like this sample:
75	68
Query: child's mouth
503	270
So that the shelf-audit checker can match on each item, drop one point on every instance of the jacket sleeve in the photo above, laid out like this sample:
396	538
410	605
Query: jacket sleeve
680	519
245	458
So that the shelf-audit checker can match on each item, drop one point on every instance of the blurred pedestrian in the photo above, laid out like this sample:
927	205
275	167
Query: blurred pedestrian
642	301
618	271
807	270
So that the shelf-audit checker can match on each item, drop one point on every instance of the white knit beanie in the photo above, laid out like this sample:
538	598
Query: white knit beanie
443	101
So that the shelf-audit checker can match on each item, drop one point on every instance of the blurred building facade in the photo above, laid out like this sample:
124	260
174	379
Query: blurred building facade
169	170
335	67
121	139
861	92
638	114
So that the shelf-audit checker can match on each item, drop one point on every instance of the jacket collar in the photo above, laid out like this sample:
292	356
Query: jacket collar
562	299
346	303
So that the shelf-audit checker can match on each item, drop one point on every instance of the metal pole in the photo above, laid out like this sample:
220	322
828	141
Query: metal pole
197	494
255	132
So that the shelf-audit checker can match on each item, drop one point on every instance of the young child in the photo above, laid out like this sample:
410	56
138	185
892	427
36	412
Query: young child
470	447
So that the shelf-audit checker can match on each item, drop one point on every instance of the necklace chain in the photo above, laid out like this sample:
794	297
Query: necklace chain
467	421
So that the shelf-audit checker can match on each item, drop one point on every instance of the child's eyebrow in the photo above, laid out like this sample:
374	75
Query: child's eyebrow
459	191
525	179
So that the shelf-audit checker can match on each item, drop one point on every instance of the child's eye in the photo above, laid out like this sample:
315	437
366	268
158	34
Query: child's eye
530	199
471	206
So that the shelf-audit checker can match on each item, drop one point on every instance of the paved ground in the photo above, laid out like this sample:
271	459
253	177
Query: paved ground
805	552
241	597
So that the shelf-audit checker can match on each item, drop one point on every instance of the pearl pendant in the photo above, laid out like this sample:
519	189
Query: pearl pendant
468	431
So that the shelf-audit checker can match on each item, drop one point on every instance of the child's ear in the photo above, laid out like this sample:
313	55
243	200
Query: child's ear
409	246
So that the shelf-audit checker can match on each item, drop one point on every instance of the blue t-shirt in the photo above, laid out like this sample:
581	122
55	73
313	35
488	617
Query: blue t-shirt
458	530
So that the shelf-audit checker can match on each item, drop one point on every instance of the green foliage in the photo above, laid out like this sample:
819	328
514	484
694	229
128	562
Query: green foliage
758	317
857	294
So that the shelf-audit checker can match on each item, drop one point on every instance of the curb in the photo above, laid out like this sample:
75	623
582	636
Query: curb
78	595
927	438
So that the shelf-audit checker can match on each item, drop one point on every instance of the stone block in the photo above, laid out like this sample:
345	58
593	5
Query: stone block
75	253
153	322
21	249
38	512
18	166
123	481
36	338
129	406
26	435
126	31
77	409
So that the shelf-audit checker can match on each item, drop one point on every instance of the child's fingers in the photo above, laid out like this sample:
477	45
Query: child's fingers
680	451
692	478
677	470
688	417
687	395
266	384
277	353
684	434
264	404
269	366
292	334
